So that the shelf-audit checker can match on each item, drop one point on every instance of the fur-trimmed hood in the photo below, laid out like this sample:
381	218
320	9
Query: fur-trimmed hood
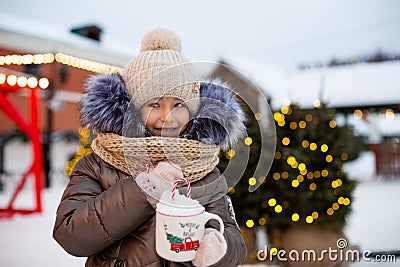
106	108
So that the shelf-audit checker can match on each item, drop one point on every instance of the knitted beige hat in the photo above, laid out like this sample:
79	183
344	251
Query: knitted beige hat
160	70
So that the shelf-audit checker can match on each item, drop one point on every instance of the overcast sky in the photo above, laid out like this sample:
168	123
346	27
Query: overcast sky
284	33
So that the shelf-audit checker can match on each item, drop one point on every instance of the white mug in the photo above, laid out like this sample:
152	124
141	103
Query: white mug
180	230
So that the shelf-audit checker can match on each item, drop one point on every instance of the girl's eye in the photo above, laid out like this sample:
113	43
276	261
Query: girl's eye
153	105
179	105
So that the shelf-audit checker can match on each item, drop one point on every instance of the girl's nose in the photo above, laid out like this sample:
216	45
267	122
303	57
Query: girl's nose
166	115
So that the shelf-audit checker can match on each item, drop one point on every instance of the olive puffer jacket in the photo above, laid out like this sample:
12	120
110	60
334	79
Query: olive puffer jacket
103	215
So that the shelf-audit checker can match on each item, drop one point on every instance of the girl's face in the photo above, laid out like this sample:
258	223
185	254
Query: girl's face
165	116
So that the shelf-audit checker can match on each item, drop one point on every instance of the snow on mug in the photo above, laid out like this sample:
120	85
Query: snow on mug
180	223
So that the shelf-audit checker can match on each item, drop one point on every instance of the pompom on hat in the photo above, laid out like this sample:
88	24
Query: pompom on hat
161	70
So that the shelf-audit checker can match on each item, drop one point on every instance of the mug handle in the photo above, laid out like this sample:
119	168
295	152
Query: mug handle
212	216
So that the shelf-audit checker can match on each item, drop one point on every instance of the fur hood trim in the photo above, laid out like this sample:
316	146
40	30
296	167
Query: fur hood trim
219	120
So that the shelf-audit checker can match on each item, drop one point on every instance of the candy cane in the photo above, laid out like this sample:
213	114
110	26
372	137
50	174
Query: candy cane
189	188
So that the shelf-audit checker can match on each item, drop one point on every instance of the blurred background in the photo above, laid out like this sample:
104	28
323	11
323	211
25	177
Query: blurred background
329	71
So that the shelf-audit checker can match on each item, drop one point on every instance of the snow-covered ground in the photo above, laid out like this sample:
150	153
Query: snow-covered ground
27	240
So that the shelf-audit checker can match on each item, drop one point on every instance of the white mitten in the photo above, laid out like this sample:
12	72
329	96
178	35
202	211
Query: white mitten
157	180
212	248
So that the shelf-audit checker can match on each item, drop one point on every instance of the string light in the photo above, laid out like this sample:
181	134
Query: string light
316	103
295	217
252	181
248	141
250	223
286	141
230	154
324	148
60	58
302	124
357	114
23	81
389	114
258	116
278	208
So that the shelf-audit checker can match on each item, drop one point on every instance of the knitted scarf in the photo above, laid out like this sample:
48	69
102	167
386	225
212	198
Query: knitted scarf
131	155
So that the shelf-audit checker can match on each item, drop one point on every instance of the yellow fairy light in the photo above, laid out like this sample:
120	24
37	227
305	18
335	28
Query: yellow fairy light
344	156
252	181
272	202
286	141
308	117
328	158
278	116
295	217
302	124
335	206
316	103
346	201
334	184
278	155
248	141
285	110
330	211
339	182
278	208
258	116
250	223
357	114
300	178
389	114
291	160
309	219
294	165
303	172
324	148
295	183
276	176
324	173
341	200
332	124
305	143
262	221
281	123
230	154
313	186
315	215
285	175
231	190
293	125
313	146
302	166
317	174
310	175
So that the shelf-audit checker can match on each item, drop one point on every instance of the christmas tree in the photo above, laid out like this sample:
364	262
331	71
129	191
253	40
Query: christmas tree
306	183
83	149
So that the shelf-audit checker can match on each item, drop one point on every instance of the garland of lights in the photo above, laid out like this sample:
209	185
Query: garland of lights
23	81
48	58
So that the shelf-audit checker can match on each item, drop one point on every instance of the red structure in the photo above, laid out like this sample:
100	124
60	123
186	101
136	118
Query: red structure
10	84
